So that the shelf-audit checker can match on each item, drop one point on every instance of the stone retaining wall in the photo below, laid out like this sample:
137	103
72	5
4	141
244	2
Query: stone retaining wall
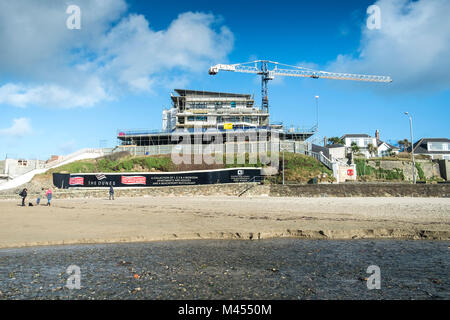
362	190
430	168
319	190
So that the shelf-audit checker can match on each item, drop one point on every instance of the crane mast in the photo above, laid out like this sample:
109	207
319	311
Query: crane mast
261	67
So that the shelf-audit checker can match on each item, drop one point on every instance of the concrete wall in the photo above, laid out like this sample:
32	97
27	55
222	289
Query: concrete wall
17	167
444	166
346	173
337	153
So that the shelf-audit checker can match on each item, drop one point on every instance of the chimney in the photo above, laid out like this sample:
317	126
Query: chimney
377	135
325	141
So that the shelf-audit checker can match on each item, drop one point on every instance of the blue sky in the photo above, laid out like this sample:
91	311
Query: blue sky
62	90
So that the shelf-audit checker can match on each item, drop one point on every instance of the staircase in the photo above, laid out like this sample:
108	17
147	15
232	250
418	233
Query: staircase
250	184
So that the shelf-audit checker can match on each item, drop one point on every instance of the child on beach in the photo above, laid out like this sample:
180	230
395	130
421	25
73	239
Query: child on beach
49	195
40	196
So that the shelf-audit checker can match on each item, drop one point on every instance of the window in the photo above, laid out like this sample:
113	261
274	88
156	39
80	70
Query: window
22	163
438	146
198	118
197	105
368	141
233	104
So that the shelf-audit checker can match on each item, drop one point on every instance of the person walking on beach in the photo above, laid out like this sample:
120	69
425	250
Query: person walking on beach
111	193
23	194
49	195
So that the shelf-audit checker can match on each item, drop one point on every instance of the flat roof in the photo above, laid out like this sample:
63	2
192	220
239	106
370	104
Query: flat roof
184	92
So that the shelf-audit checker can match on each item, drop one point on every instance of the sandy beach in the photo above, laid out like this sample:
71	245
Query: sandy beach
78	221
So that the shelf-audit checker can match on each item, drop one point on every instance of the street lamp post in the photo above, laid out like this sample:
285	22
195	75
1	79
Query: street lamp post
283	149
412	148
283	167
317	112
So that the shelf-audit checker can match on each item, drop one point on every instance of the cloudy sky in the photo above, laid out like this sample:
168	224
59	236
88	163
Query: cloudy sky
64	89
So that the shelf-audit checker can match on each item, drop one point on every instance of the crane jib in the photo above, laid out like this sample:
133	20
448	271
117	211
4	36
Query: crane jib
261	67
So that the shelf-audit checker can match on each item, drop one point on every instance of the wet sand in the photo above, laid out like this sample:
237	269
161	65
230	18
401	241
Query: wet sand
84	221
288	269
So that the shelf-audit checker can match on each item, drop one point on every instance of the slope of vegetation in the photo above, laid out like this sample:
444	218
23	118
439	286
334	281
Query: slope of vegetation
126	164
302	169
298	168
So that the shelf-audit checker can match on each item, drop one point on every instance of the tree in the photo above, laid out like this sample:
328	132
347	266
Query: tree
391	152
336	140
355	148
404	144
372	149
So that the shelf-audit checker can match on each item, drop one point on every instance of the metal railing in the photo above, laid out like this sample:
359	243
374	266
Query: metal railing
320	157
71	156
251	184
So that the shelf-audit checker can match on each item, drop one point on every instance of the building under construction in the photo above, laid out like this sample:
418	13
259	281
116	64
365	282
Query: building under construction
205	113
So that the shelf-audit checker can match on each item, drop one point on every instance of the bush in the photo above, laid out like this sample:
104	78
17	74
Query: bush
420	171
366	171
158	163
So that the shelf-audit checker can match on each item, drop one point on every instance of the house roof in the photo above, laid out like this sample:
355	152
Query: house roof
421	146
388	144
184	92
335	145
316	148
356	135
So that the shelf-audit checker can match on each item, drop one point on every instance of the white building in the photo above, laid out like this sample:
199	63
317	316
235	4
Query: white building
216	110
362	141
385	149
337	151
436	148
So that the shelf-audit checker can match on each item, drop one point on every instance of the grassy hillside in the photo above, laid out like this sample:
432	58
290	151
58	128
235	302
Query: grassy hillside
121	163
301	169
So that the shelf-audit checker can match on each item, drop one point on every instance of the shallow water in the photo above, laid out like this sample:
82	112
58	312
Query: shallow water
206	269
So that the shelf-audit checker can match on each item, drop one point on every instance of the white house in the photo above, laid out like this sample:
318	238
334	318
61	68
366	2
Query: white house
362	141
436	148
337	151
385	149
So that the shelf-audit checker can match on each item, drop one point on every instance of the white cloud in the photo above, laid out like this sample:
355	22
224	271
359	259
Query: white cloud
36	43
139	56
412	46
21	127
115	53
53	95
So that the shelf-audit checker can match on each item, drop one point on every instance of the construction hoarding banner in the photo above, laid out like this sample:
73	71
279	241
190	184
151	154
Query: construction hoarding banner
160	179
